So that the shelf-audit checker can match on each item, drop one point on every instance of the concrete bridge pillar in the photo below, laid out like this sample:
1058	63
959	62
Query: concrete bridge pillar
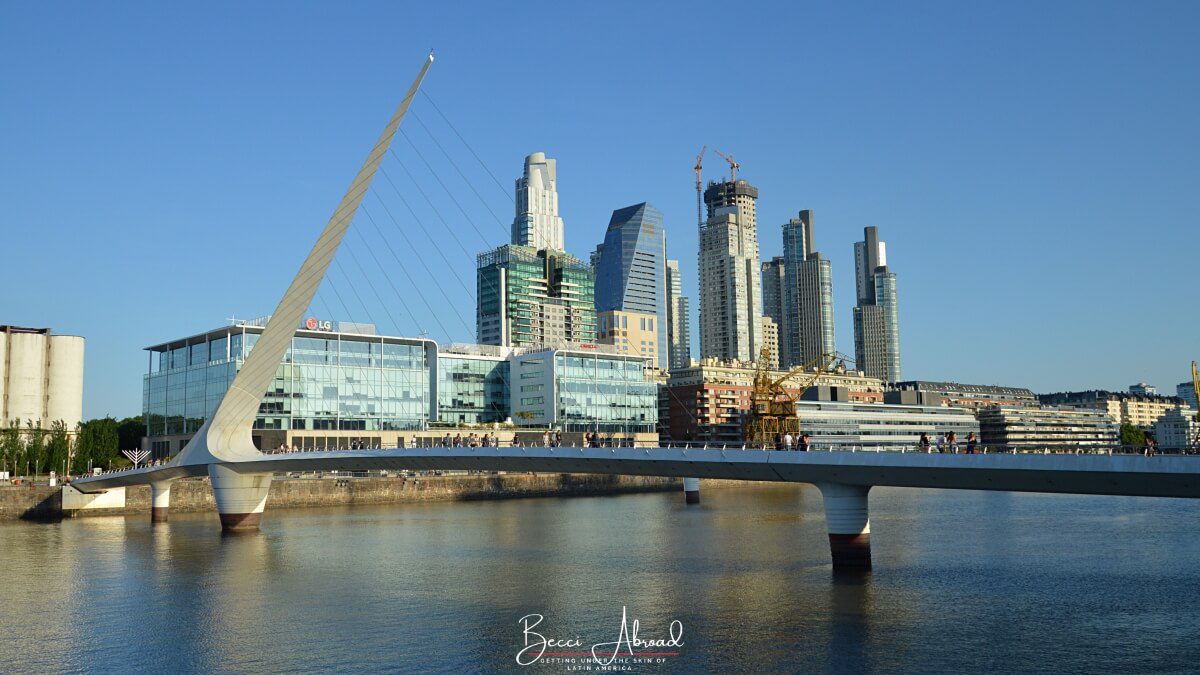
691	490
160	493
240	497
848	523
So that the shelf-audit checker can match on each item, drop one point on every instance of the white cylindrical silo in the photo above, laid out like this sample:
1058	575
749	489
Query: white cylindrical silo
3	378
26	377
65	381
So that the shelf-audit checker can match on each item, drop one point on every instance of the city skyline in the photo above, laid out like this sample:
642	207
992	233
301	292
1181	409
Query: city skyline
944	210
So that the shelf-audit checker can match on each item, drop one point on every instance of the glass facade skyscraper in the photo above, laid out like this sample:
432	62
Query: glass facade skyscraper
531	292
798	295
773	306
807	295
529	298
876	317
679	334
631	269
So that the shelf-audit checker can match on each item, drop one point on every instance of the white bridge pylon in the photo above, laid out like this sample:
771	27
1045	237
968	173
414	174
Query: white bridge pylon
225	438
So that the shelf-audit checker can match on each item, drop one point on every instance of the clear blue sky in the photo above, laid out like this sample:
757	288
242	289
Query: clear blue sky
1032	166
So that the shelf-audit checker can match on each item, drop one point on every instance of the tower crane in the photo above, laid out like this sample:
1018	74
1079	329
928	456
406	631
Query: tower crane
772	407
733	166
699	185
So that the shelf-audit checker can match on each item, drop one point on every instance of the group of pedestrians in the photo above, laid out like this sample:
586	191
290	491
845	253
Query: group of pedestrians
487	440
949	443
788	442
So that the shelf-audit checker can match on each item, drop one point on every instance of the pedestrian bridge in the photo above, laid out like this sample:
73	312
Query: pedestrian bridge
1127	475
844	478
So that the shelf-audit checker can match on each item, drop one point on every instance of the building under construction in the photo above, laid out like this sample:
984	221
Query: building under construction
730	277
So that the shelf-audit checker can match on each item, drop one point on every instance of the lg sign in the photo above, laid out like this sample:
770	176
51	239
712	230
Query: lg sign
312	324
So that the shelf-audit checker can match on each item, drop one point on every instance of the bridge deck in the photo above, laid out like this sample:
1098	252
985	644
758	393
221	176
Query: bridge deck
1133	475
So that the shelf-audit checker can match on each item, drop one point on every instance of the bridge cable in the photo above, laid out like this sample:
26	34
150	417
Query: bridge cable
424	230
453	270
468	146
449	194
459	170
436	317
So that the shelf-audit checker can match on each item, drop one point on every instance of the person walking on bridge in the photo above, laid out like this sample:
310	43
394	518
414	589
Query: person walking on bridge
804	444
971	443
924	442
787	441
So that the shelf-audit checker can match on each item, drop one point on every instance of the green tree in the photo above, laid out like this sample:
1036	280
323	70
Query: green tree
35	448
1131	435
11	446
98	443
130	431
58	447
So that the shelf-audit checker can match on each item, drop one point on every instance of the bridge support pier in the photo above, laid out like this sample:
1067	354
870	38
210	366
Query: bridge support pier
160	492
240	497
849	525
691	490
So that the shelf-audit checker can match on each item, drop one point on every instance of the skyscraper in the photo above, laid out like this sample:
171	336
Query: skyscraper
876	320
679	334
537	222
631	277
807	329
529	298
772	293
531	292
770	341
730	273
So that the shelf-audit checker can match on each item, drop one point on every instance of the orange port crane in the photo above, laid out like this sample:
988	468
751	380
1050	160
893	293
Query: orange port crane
733	166
772	407
1196	395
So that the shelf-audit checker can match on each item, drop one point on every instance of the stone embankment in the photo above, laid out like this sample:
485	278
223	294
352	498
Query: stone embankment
195	494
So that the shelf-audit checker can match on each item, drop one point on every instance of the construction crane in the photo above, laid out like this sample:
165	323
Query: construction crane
733	166
773	407
1195	449
699	186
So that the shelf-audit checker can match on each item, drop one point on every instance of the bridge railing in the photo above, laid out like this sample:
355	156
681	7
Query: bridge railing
957	448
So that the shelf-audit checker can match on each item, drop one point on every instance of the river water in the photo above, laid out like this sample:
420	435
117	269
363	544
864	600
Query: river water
963	581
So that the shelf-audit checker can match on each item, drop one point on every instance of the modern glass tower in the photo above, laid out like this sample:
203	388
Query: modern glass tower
532	298
876	319
773	306
537	222
679	334
531	293
807	329
631	270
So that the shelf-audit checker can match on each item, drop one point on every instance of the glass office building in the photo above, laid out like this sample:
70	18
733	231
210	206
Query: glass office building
329	380
583	389
340	382
472	388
